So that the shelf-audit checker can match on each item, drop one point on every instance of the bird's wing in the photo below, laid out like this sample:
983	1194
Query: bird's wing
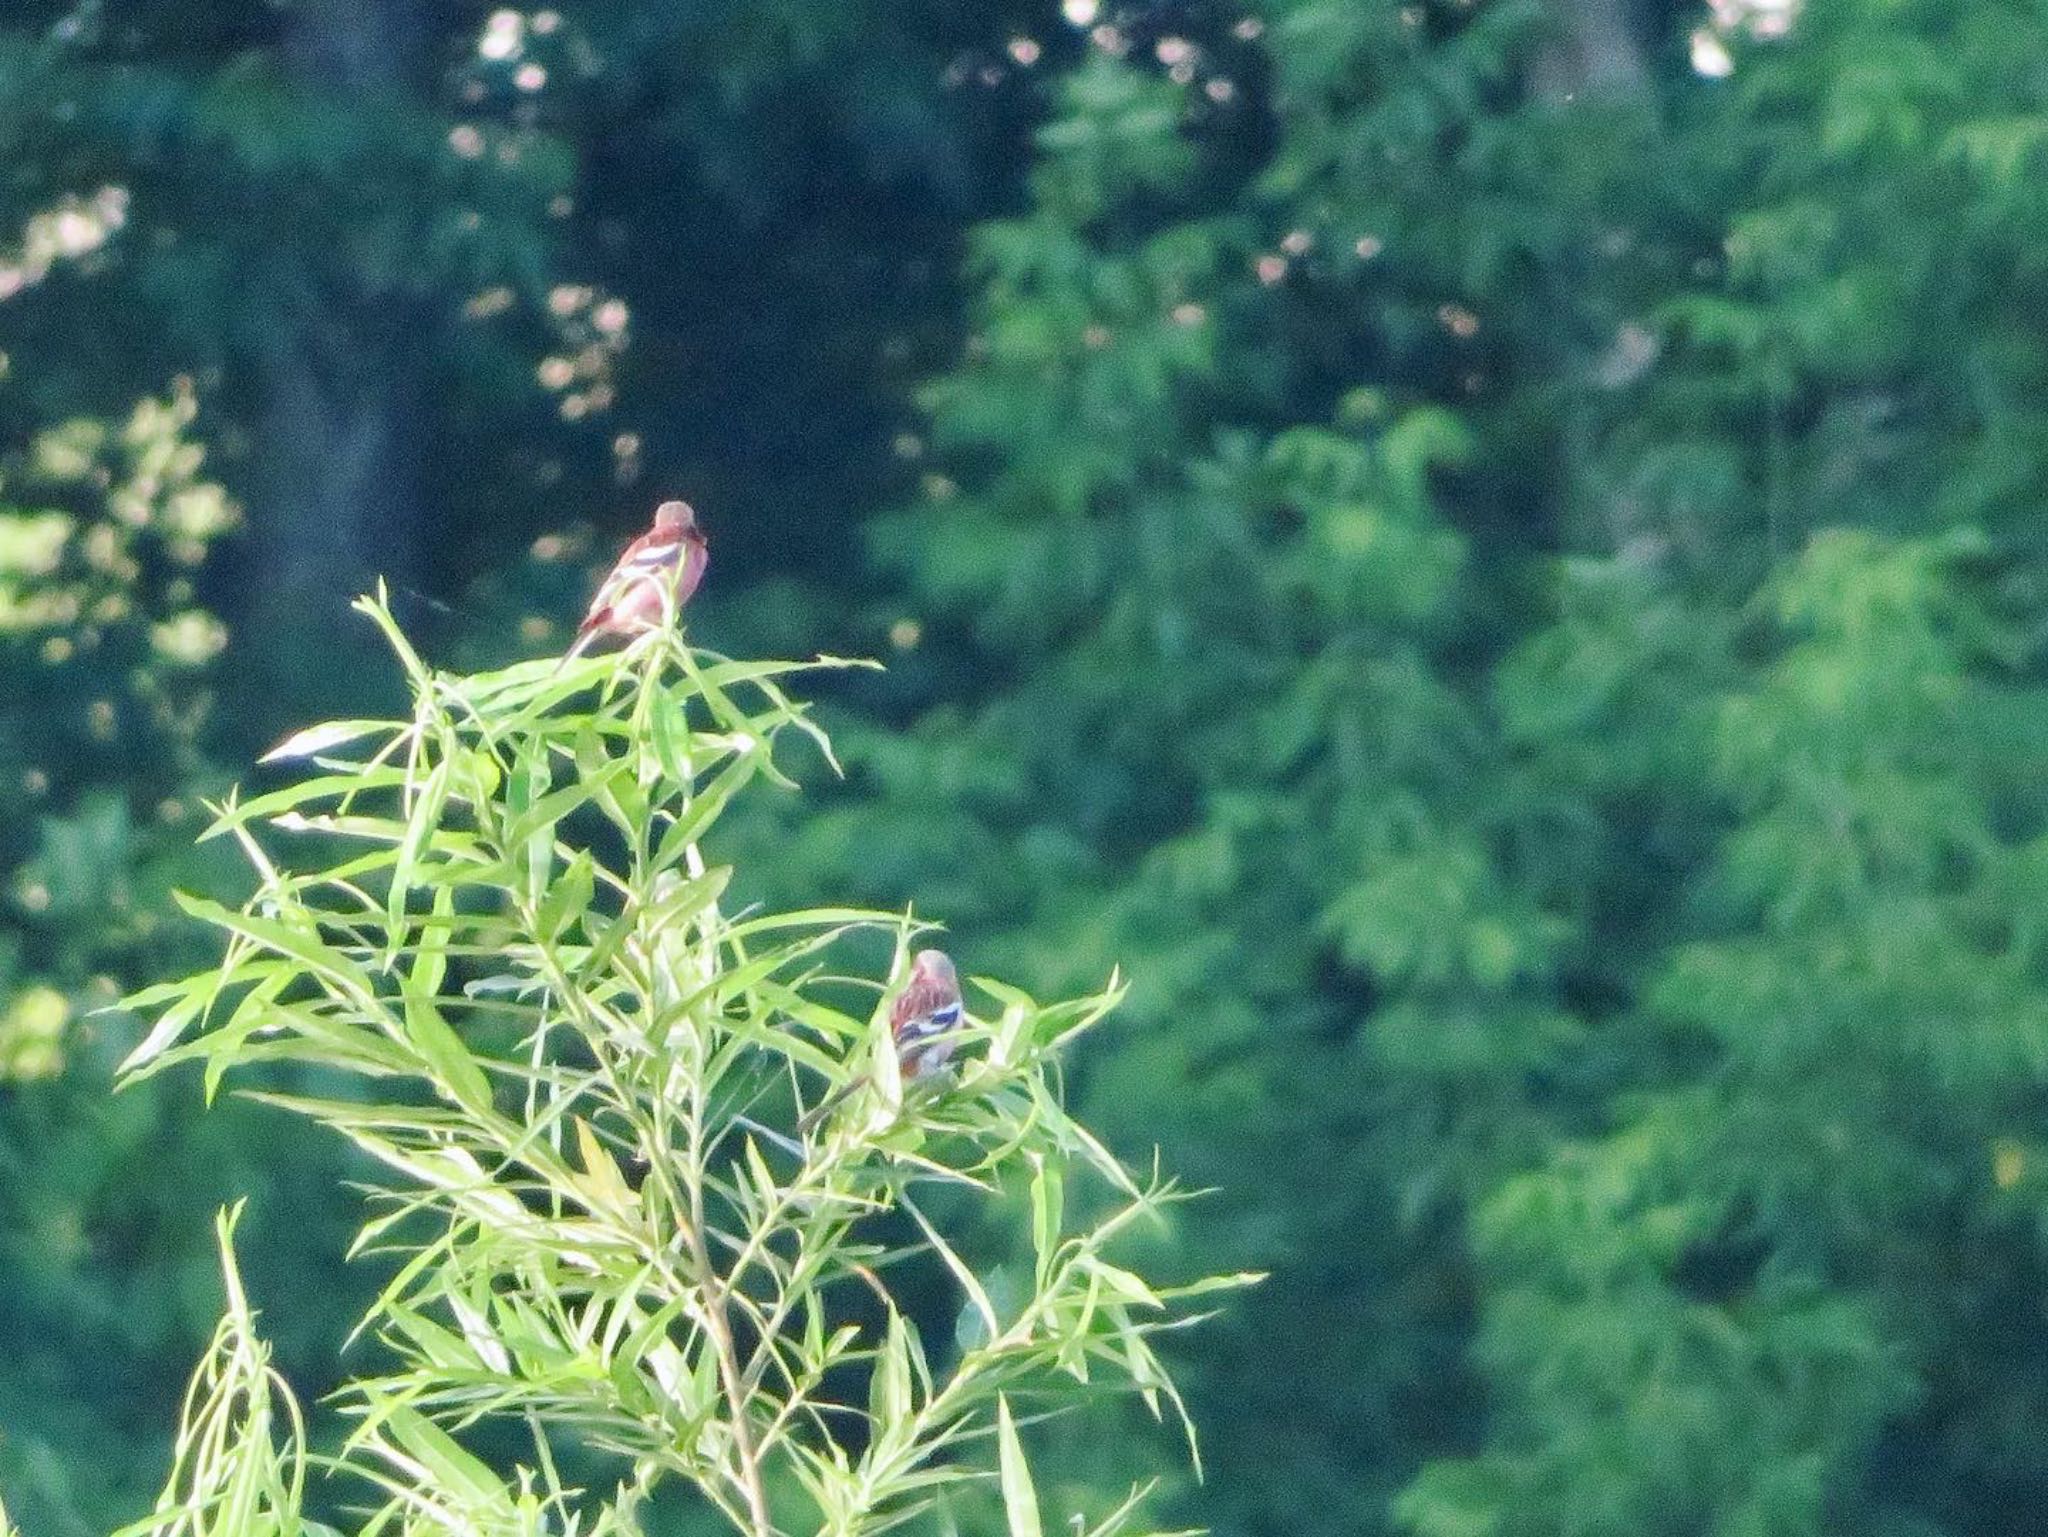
653	554
924	1008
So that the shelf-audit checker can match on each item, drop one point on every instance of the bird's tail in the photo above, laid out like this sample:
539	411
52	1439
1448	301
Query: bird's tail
827	1105
582	643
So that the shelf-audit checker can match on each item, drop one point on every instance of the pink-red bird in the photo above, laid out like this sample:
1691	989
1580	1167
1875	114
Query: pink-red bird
924	1022
652	580
925	1018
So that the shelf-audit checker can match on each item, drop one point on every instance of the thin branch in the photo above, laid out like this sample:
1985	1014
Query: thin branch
718	1328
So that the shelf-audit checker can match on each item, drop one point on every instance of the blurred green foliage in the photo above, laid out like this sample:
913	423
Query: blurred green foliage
105	527
1485	550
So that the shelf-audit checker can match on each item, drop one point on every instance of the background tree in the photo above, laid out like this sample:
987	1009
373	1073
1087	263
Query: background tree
1420	832
1486	550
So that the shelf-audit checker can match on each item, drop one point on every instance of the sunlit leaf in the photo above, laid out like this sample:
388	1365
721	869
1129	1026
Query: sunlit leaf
1020	1498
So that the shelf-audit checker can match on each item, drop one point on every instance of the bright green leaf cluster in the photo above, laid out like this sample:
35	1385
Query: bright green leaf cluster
614	1224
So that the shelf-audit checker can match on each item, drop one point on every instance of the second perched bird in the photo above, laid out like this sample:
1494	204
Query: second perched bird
924	1022
653	579
925	1018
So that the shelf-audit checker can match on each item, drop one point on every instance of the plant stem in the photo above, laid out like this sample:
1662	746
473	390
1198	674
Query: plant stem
717	1296
718	1329
716	1292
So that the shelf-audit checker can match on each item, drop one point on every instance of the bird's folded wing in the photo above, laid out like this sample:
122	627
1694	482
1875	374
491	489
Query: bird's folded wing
652	555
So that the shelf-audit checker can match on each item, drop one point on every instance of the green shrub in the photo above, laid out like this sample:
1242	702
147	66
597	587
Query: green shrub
612	1226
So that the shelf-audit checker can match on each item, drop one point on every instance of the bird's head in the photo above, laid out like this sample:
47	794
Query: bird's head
678	518
935	969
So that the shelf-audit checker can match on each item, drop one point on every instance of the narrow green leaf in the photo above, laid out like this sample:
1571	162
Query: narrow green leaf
605	1183
887	1069
889	1399
317	739
765	1186
609	783
321	959
379	611
1020	1499
540	818
1234	1281
319	787
1047	1185
455	1470
163	1034
670	730
1126	1286
430	962
568	898
450	1062
535	849
968	1282
704	808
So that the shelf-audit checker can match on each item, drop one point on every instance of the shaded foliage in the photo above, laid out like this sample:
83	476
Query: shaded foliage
1484	551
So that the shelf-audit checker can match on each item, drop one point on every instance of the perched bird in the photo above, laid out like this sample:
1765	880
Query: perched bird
924	1022
925	1018
653	579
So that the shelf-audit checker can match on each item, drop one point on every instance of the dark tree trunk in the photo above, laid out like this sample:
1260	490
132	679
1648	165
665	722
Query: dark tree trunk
1592	62
341	449
345	386
1594	52
348	46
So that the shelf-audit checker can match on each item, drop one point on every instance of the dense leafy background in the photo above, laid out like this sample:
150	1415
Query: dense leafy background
1488	551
